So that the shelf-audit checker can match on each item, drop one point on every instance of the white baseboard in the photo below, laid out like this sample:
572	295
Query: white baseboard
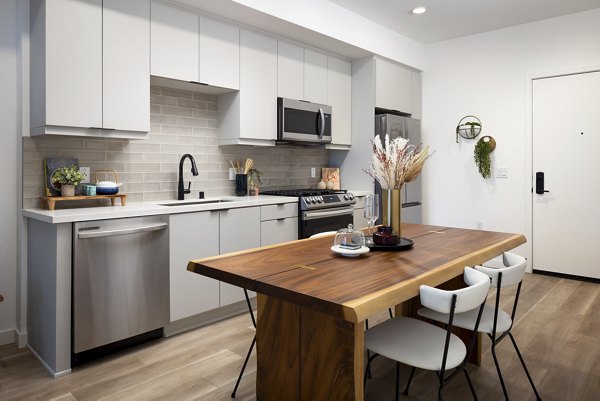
20	338
7	337
54	374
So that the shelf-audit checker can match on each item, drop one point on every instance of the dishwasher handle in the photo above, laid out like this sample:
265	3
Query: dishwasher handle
83	234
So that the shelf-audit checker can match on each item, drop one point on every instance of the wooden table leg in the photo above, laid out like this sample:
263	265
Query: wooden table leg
304	355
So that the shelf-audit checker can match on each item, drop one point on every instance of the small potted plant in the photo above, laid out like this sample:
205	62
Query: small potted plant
254	181
483	148
68	177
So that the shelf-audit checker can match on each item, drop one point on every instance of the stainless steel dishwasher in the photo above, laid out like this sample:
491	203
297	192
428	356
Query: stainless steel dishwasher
120	279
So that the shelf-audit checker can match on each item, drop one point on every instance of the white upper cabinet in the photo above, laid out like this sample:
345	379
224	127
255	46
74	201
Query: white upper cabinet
66	64
174	39
392	86
89	72
315	76
290	71
219	54
249	117
125	65
339	90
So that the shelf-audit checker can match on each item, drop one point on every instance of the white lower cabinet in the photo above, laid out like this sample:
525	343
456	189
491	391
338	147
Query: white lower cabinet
239	230
279	223
192	236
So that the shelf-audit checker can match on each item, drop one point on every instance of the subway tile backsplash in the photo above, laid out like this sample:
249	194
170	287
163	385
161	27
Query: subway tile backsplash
181	122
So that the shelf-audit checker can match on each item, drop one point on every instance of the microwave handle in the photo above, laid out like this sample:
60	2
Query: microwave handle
321	123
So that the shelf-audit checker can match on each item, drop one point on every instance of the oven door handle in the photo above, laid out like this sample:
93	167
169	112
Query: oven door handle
313	215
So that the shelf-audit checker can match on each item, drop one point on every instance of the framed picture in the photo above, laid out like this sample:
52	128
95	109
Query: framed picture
51	164
331	174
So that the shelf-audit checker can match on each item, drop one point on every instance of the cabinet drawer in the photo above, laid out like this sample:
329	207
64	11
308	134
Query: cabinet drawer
277	231
279	211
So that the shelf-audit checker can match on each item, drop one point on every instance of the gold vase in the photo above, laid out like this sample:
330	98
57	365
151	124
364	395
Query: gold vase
392	209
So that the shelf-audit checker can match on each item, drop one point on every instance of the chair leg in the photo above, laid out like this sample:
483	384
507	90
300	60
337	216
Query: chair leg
368	369
391	314
525	367
499	372
440	398
412	372
243	367
397	380
369	365
470	384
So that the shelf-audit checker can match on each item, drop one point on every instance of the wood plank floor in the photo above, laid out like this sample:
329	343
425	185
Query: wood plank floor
558	331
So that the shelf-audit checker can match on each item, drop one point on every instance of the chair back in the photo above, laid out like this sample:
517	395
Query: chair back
512	267
467	298
323	234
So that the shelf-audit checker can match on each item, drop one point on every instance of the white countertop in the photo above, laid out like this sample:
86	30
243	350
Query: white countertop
153	208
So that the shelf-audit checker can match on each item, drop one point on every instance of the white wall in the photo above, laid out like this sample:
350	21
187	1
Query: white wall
8	167
486	75
337	22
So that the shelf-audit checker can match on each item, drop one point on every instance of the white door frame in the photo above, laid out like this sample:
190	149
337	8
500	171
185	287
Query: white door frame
529	184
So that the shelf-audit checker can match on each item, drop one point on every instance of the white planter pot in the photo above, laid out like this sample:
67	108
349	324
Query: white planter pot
67	190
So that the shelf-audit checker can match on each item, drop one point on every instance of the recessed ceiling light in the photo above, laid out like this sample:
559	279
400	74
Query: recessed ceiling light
418	10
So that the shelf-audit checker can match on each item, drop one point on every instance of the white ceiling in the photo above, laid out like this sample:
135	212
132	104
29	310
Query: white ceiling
447	19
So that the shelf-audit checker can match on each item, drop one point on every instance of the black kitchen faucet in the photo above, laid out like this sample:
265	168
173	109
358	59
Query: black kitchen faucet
180	190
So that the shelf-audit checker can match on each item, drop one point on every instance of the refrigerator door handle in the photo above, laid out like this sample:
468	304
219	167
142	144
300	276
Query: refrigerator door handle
411	204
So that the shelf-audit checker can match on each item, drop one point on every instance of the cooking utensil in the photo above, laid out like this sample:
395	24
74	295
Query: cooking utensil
248	165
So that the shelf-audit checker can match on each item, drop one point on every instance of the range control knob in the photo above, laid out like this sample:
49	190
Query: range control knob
346	196
350	196
319	199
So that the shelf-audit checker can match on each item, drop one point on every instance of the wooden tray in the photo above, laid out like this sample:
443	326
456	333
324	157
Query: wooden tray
51	200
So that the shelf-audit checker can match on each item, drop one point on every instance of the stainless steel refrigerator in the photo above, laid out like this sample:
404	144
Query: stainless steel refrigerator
409	128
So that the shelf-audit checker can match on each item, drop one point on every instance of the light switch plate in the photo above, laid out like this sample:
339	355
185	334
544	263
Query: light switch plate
501	172
231	174
86	172
313	172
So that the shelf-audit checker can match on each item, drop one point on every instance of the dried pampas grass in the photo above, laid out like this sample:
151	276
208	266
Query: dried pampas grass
396	163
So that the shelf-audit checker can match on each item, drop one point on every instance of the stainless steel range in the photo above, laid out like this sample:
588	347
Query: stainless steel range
320	210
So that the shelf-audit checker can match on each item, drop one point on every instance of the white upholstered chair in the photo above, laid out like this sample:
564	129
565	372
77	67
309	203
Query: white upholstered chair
323	234
424	345
505	271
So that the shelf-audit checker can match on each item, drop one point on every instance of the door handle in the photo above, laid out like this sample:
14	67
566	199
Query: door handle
321	123
121	231
539	183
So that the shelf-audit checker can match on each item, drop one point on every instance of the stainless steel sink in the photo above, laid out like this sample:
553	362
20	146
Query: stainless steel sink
198	202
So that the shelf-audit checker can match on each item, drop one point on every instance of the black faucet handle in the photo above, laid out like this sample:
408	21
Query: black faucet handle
188	190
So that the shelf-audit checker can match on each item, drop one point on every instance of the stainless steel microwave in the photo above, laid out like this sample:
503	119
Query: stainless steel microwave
300	121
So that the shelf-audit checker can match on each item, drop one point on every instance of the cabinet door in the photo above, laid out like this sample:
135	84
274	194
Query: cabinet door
290	71
219	54
73	63
126	65
416	94
192	236
174	43
258	86
315	77
339	97
277	231
239	230
392	86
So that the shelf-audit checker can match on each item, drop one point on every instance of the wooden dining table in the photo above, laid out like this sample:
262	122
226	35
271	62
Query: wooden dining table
313	303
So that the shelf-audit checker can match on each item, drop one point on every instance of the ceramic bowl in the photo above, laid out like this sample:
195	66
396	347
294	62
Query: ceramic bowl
385	235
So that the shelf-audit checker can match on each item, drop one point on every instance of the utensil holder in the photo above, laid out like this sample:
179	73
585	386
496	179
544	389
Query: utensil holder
241	184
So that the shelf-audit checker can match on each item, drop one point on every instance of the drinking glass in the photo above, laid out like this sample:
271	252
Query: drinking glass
371	215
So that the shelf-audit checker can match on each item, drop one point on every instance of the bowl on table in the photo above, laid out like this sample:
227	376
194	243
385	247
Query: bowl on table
385	235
